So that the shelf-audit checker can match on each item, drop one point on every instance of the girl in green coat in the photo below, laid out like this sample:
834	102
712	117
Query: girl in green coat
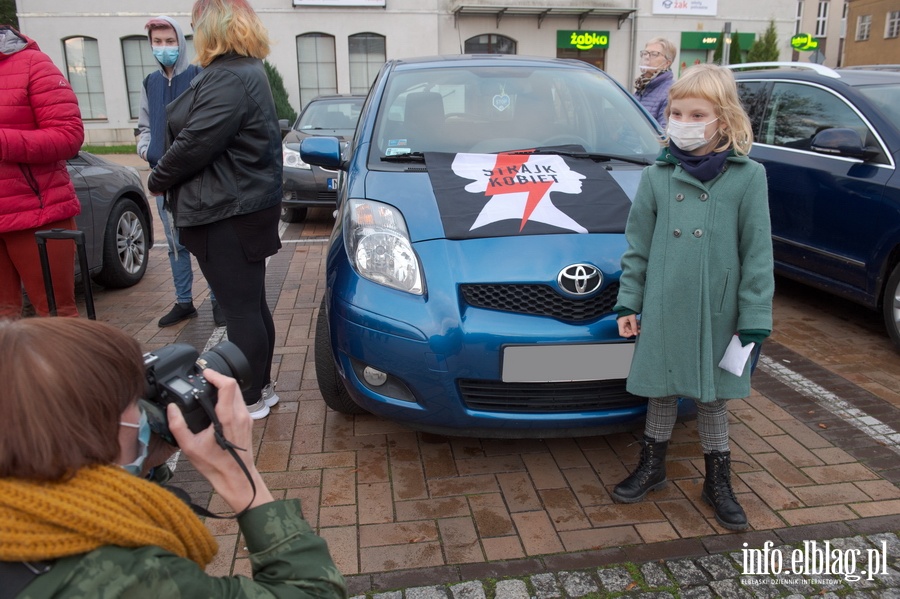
699	271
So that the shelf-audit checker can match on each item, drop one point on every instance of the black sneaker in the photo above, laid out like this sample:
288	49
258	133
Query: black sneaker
178	313
218	315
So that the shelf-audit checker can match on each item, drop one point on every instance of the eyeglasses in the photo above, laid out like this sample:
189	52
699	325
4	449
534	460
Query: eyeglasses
645	54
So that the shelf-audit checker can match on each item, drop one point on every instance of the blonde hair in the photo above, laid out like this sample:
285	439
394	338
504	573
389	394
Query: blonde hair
668	47
222	26
716	84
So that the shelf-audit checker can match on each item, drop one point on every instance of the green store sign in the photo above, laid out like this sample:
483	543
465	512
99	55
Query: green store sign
582	40
804	42
707	40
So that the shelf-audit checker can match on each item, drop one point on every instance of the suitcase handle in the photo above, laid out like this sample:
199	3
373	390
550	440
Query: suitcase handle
41	238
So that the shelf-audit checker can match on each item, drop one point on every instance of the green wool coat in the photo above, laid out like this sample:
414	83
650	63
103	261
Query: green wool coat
698	268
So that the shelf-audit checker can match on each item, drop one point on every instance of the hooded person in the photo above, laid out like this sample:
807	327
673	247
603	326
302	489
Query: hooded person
651	88
159	89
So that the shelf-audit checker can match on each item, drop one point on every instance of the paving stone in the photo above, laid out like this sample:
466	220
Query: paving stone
426	593
391	595
468	590
764	591
858	542
797	585
577	584
661	595
545	586
718	566
890	540
686	573
891	579
655	575
701	592
511	589
729	589
888	594
615	580
358	597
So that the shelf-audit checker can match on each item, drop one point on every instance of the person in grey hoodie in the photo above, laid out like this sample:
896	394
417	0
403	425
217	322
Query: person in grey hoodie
161	87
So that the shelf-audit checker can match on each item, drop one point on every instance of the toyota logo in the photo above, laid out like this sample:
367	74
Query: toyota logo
580	279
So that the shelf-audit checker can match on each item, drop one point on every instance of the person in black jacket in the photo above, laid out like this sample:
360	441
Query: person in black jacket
221	175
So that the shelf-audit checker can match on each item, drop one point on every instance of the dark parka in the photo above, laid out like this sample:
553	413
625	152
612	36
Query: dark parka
698	268
224	154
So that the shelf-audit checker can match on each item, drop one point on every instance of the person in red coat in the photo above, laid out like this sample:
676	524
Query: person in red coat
40	127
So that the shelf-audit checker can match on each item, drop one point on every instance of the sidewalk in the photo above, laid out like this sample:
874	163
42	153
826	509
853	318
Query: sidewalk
425	517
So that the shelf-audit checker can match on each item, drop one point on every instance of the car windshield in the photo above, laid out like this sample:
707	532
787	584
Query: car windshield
334	117
885	97
486	109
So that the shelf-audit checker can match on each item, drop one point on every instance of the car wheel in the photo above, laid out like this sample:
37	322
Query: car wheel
293	215
891	301
330	385
124	246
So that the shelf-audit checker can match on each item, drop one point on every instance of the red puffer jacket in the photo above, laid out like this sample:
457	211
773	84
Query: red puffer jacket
40	127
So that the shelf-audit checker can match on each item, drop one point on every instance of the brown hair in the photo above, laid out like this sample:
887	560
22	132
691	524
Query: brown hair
717	85
222	26
66	382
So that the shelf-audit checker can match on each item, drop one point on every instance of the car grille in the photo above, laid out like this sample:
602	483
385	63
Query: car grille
540	300
322	196
545	398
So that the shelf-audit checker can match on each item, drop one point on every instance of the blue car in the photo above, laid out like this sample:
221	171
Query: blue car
830	142
474	263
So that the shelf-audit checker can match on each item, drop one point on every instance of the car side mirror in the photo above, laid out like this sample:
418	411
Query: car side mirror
321	151
842	141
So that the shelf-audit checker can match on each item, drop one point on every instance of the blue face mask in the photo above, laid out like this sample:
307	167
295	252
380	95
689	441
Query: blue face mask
143	426
166	55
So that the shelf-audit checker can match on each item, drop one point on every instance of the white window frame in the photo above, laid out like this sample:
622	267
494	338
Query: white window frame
822	19
86	76
892	24
364	68
863	27
321	68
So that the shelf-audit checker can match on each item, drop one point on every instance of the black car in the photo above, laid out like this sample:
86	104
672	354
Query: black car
308	186
115	218
830	142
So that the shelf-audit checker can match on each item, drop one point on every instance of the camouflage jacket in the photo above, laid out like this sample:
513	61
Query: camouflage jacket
287	557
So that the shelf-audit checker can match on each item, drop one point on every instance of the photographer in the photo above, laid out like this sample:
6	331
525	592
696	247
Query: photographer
74	517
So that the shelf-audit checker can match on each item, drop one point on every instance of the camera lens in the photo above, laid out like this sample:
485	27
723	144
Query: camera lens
227	358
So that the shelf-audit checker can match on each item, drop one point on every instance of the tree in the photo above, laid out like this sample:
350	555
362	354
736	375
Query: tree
8	13
734	50
282	105
765	49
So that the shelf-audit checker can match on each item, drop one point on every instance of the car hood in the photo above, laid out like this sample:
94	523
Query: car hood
483	215
297	136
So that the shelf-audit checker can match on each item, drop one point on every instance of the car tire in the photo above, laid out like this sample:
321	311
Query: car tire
891	305
125	248
330	384
293	215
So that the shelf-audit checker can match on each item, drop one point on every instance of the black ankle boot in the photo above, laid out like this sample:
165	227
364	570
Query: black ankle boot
718	493
650	473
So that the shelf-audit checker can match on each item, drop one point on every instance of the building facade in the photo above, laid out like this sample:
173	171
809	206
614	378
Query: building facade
338	46
873	32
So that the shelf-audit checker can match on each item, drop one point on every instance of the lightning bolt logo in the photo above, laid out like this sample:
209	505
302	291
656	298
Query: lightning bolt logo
514	163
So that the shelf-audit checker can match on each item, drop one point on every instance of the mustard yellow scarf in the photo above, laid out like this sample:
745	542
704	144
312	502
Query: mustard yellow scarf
100	505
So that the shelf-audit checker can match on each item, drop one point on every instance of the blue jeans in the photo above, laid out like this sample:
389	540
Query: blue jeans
179	258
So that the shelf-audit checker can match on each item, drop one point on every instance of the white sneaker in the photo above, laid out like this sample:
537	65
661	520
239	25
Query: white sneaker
269	396
258	410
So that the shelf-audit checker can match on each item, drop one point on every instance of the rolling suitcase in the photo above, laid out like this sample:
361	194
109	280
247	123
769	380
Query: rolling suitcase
78	237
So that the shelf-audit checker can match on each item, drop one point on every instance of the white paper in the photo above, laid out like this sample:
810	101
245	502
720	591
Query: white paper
736	356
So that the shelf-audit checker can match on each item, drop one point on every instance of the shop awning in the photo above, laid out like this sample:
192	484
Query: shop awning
542	12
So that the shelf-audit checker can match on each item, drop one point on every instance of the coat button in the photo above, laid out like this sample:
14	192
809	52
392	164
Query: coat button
704	196
698	233
679	197
677	232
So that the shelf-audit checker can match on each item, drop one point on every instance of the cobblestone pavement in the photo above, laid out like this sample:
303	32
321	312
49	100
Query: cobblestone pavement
816	452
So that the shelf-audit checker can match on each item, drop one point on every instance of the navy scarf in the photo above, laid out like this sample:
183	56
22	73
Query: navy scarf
703	168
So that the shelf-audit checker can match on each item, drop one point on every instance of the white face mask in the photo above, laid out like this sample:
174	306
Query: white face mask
688	136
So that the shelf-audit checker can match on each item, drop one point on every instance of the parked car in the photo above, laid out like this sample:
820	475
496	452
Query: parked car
115	218
830	143
476	254
307	186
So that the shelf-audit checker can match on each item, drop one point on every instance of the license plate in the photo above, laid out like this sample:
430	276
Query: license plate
562	363
332	184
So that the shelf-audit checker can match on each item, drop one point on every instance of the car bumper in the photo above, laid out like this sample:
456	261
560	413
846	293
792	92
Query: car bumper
309	187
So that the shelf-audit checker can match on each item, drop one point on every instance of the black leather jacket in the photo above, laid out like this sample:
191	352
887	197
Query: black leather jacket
224	145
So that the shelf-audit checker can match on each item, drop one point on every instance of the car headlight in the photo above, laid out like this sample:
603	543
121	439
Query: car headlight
291	158
378	245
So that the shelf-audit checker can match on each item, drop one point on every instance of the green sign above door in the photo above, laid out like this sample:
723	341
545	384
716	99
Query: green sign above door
582	40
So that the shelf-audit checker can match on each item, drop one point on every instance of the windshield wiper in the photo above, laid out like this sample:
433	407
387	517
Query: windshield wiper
595	156
411	157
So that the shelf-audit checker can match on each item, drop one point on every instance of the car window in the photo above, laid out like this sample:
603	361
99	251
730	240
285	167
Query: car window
331	116
885	97
796	112
493	109
753	96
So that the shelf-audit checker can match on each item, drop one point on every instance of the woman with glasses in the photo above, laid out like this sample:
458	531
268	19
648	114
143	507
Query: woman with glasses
651	88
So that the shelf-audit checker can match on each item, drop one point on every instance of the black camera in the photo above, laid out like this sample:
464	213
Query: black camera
174	375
